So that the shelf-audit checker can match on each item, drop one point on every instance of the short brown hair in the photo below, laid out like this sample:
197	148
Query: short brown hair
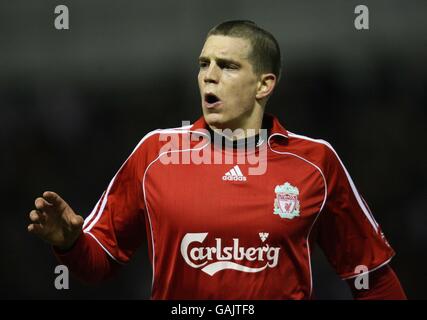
265	55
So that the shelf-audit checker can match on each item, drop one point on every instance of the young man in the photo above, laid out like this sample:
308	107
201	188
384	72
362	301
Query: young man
230	229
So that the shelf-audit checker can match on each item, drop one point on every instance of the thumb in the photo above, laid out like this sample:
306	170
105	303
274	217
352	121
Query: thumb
54	199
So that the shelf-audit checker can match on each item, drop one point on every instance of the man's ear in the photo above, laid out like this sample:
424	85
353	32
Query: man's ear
265	85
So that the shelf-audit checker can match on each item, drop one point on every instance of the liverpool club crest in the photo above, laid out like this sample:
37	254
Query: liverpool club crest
286	204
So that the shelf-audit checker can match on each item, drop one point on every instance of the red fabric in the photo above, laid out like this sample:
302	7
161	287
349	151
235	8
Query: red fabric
207	232
383	285
87	261
346	230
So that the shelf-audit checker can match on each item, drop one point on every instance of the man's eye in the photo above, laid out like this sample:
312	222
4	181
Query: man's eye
230	66
203	64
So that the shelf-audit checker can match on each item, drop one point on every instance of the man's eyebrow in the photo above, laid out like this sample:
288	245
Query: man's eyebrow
220	60
203	59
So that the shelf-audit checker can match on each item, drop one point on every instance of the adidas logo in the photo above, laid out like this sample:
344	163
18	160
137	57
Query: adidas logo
234	175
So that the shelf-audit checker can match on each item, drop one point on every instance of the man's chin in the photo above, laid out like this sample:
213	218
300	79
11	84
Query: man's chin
215	120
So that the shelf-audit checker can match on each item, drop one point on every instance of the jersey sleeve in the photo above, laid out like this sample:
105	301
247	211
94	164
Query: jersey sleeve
346	231
383	285
117	222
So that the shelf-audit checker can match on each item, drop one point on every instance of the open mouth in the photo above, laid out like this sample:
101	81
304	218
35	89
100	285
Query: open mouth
211	99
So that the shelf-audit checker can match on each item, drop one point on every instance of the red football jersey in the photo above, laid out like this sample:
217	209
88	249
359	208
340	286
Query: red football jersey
216	230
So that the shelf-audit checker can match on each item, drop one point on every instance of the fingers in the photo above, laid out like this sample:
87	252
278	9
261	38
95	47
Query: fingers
37	216
53	198
34	216
50	202
35	228
42	205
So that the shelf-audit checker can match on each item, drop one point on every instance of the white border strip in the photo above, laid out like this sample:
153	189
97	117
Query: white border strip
369	271
95	209
106	193
105	249
321	207
350	180
104	202
145	196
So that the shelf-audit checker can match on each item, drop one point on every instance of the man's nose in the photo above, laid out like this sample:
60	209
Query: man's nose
212	74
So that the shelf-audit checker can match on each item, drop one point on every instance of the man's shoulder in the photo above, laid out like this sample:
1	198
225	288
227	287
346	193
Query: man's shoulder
154	140
315	150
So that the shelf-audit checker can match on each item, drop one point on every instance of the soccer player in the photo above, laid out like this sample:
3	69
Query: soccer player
239	228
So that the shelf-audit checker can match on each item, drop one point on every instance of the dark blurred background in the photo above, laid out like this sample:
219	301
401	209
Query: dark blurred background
74	103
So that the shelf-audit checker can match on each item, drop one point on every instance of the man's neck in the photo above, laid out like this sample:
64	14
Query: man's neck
237	134
239	131
238	142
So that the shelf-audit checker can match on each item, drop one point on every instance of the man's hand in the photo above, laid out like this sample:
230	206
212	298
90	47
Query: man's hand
54	221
